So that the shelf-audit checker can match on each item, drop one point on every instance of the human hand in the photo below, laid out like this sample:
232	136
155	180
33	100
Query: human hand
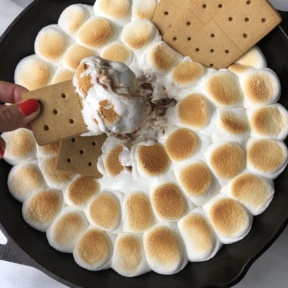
17	115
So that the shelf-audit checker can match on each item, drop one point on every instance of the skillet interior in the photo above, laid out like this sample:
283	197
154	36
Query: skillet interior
232	261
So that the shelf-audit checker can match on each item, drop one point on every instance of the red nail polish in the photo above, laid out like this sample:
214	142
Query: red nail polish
28	107
1	152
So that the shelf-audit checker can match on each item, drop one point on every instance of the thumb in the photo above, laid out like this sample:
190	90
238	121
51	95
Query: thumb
18	115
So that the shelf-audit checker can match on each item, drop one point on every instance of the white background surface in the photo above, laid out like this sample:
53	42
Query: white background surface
270	270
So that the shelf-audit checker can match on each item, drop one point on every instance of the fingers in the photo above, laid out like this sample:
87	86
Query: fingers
11	93
18	115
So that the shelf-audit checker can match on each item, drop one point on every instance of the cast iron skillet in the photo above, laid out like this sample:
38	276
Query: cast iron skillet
28	246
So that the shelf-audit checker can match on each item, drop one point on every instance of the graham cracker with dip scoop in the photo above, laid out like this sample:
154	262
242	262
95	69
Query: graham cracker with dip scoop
61	118
215	33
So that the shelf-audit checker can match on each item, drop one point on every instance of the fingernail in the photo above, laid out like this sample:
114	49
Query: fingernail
1	152
28	107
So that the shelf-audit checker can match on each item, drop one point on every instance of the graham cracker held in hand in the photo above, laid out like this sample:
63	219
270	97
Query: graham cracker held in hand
60	113
215	33
80	155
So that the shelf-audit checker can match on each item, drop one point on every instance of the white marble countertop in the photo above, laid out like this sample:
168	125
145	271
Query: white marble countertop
270	270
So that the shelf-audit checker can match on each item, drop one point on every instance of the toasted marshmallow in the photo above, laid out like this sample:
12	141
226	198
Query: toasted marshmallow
118	11
152	160
105	211
25	180
80	191
229	219
200	240
94	250
266	157
61	75
74	55
67	228
231	125
20	146
183	144
138	213
90	37
112	163
168	202
269	122
55	178
41	208
193	111
198	182
143	9
253	58
48	150
238	69
226	159
73	17
128	256
161	58
260	87
223	89
118	52
253	191
32	72
51	43
164	248
187	72
138	34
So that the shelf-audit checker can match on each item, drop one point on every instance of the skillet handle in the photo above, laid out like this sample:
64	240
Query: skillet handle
11	252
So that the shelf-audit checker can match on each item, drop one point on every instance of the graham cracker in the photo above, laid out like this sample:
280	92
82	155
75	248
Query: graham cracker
216	34
246	22
60	113
212	48
80	155
206	10
167	13
180	39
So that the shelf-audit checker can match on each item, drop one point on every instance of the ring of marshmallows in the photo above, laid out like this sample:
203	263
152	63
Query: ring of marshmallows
161	202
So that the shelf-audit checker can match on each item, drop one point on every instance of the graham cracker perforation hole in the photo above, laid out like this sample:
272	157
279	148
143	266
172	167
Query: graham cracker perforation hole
188	23
227	51
220	6
197	49
81	152
55	111
166	13
71	121
212	35
46	128
230	19
174	38
204	6
90	164
211	50
248	2
93	143
245	36
188	38
263	20
211	65
246	19
73	140
69	160
63	95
